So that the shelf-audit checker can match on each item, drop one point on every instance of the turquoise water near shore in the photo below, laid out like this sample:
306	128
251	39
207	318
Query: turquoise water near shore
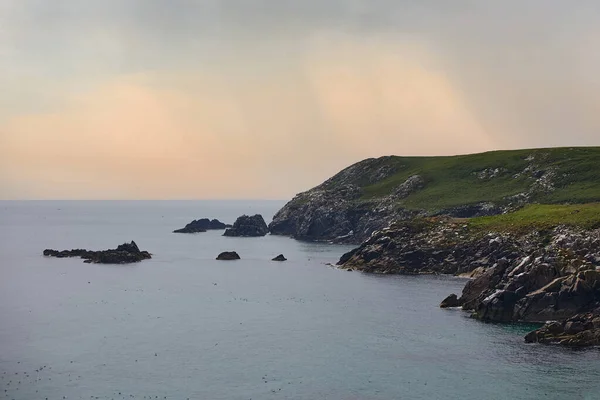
183	325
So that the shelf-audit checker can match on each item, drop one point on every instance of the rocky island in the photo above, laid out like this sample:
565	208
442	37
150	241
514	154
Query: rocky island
524	225
202	225
248	226
124	254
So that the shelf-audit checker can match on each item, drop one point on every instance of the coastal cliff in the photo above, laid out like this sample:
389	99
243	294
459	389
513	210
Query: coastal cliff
521	270
371	194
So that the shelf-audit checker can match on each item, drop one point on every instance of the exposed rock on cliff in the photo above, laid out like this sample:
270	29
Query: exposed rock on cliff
248	226
335	210
124	254
202	225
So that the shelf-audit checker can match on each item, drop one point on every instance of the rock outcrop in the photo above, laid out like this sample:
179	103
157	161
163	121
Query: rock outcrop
279	258
426	246
228	255
202	225
535	277
249	226
580	330
124	254
552	278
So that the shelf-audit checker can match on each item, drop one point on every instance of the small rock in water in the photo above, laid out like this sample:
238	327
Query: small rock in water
279	258
450	301
228	255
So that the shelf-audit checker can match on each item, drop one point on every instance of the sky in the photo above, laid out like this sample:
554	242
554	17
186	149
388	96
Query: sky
218	99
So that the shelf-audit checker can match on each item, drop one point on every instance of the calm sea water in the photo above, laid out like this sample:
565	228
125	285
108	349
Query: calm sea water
184	325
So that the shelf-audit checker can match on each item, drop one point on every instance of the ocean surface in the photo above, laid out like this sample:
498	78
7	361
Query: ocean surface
185	326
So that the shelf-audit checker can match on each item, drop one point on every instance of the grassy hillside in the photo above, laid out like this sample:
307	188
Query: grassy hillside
541	217
549	176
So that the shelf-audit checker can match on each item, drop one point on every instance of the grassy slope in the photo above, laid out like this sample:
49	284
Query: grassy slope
541	217
452	181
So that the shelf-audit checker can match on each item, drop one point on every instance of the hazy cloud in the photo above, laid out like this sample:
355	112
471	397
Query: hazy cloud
231	98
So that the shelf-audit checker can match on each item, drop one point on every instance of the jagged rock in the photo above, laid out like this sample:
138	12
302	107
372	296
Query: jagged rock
124	254
450	301
202	225
279	258
540	282
580	330
228	255
248	226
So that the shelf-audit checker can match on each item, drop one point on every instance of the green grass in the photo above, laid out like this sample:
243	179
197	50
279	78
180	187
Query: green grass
452	181
542	217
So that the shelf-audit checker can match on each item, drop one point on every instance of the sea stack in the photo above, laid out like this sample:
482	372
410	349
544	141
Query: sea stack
248	226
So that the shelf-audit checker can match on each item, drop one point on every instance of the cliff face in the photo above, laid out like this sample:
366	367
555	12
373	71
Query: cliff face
371	194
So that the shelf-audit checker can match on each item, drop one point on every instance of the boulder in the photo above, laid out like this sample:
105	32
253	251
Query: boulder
450	301
248	226
202	225
125	253
279	258
228	255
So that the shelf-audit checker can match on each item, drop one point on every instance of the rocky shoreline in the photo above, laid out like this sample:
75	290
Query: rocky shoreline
539	276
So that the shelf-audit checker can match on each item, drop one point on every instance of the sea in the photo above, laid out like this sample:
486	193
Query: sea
186	326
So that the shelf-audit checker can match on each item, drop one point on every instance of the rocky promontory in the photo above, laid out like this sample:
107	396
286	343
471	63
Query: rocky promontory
202	225
371	194
248	226
124	254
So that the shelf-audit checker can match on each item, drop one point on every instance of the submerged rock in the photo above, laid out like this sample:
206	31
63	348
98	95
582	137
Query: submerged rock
279	258
249	226
124	254
581	330
202	225
228	255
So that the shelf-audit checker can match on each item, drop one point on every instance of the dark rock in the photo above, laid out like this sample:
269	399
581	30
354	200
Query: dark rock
248	226
202	225
450	301
124	254
580	330
228	255
279	258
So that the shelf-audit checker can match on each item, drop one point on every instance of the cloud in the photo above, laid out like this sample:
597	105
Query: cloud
230	98
217	133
